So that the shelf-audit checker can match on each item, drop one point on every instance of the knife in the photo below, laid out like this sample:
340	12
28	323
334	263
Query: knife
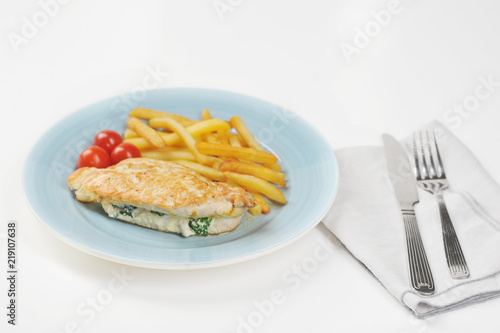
405	189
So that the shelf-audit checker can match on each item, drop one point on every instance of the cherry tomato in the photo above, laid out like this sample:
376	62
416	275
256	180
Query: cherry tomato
94	156
123	151
107	140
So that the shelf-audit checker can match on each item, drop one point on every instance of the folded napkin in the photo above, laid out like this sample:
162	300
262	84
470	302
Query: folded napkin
366	219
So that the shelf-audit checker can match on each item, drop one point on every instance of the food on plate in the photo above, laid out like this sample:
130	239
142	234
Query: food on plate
108	149
249	154
256	210
208	172
169	154
223	136
222	151
234	140
253	183
147	114
164	196
253	169
94	156
123	151
206	114
213	147
249	139
261	205
129	133
108	140
188	140
172	139
146	132
261	201
245	133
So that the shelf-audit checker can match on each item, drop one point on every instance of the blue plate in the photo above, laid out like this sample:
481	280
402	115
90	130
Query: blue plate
307	160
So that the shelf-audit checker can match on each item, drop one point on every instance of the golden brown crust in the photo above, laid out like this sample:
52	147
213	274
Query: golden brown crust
76	179
153	183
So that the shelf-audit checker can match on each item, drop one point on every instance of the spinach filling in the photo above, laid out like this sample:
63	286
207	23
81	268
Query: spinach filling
127	210
200	226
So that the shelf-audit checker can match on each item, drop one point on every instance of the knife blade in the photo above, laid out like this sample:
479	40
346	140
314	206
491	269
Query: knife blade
405	190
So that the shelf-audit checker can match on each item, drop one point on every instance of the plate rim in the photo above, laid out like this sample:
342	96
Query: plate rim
185	265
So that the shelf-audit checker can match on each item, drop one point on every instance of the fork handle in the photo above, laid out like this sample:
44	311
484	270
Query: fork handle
454	255
418	265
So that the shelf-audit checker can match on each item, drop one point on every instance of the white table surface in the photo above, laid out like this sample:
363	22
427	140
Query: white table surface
428	58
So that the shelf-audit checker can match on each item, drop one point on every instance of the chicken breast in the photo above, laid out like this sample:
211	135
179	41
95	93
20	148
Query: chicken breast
163	195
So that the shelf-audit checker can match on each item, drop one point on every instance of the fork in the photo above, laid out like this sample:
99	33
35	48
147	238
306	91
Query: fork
431	178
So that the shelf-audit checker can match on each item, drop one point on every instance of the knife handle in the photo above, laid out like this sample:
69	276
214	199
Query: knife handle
418	265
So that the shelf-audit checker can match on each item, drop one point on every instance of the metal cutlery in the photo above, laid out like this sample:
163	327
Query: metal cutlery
405	188
432	178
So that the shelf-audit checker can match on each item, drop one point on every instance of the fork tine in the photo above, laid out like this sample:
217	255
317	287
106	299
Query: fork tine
433	170
438	156
415	155
424	172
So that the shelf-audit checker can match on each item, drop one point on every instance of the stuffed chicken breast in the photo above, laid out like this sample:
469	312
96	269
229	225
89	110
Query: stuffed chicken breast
164	196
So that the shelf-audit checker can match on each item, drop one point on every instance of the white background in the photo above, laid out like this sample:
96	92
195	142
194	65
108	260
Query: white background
423	61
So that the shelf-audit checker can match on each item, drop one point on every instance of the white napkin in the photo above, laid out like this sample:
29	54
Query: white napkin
366	218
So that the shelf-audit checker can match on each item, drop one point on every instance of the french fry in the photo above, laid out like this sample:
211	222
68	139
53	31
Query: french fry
245	133
140	143
187	138
255	184
243	143
273	166
169	154
153	122
216	163
261	201
148	114
146	132
256	210
210	138
234	140
199	128
223	135
250	140
129	133
204	170
256	170
206	115
248	154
